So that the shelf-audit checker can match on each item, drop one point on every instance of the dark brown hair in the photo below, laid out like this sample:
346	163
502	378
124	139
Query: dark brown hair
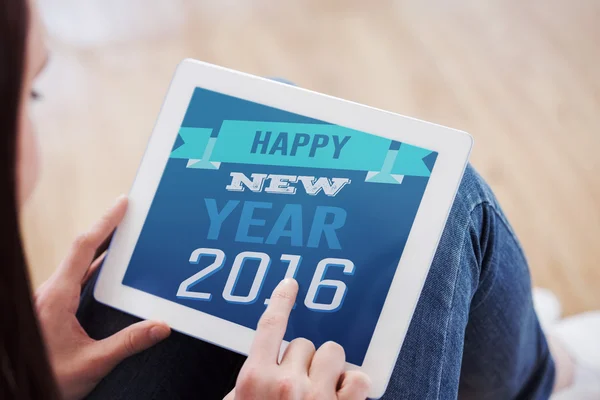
25	372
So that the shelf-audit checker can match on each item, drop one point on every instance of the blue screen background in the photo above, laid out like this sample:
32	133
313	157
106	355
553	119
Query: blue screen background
379	219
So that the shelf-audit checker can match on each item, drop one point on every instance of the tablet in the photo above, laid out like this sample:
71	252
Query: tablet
246	181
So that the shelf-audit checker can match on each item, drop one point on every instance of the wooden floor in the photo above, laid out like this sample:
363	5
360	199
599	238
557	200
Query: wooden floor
522	76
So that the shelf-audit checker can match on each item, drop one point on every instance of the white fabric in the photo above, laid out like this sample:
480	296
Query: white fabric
580	334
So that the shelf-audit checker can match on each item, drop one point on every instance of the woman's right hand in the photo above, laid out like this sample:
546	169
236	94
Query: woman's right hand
303	373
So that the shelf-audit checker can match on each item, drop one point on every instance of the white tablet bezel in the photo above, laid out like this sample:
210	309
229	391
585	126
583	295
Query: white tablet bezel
453	149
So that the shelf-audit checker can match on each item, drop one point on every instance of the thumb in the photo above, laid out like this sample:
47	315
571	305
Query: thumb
130	341
231	395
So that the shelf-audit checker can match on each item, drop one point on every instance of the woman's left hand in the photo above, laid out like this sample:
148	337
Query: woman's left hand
80	362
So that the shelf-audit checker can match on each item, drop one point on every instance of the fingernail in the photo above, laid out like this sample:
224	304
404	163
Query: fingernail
288	282
159	332
120	198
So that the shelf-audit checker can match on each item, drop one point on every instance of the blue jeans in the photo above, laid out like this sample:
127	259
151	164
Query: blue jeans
474	333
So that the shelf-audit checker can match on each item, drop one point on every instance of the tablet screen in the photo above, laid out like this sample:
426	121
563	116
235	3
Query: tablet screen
251	194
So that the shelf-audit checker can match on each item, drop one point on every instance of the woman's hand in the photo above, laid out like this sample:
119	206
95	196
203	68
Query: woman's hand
80	362
303	373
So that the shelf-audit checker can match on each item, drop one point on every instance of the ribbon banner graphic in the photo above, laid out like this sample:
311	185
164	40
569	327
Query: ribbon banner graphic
303	145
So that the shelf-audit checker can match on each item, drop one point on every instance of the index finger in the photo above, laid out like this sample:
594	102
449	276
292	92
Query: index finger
273	323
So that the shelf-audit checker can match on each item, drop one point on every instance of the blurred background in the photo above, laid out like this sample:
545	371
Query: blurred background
522	77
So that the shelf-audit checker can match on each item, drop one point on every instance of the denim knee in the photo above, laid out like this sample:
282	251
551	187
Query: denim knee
473	191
